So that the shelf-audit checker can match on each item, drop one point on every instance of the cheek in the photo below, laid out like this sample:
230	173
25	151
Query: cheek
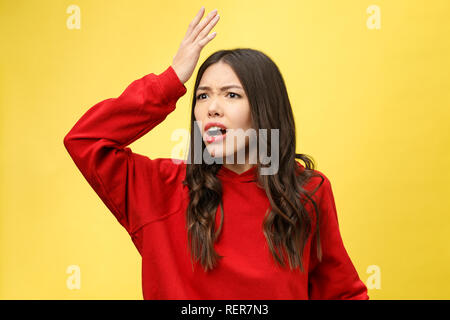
196	114
249	120
239	115
246	119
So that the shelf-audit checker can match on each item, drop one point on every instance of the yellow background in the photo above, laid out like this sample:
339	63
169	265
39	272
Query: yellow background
371	107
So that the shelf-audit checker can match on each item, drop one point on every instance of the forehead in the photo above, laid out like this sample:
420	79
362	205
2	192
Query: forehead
219	74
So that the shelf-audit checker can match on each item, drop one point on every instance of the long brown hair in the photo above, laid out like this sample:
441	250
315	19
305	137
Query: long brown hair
287	224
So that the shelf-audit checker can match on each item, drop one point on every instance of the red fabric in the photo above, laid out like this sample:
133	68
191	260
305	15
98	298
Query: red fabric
149	201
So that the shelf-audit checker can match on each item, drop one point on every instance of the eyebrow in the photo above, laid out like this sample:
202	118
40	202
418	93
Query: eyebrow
222	89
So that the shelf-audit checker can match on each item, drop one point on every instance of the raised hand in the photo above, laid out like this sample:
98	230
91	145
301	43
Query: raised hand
197	36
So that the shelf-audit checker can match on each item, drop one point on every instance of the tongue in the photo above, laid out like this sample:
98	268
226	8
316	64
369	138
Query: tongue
215	132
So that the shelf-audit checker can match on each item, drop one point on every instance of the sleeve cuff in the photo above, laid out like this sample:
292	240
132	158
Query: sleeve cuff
171	86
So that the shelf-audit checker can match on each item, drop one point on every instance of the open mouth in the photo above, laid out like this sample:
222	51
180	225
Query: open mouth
215	134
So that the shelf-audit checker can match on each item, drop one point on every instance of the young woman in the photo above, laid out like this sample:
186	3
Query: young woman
217	230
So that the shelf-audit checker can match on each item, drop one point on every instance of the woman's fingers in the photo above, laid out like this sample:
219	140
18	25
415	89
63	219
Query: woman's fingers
188	53
199	27
208	28
194	22
207	39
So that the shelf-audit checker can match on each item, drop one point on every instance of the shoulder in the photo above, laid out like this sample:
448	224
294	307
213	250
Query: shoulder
171	165
317	184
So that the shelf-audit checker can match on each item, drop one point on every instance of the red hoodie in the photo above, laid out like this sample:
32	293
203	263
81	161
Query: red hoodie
149	200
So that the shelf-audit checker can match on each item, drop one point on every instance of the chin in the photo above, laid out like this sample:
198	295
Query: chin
217	152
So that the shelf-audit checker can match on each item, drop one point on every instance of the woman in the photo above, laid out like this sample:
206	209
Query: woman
220	229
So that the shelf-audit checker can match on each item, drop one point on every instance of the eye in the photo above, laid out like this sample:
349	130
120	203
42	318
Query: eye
198	97
231	93
235	94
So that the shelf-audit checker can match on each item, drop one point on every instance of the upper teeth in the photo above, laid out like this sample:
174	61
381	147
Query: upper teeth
215	128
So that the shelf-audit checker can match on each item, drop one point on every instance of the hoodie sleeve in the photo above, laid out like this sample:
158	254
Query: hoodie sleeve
335	277
132	186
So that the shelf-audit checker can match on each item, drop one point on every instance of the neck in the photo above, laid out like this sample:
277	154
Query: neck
239	167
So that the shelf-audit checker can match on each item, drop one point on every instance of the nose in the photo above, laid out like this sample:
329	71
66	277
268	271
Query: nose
214	109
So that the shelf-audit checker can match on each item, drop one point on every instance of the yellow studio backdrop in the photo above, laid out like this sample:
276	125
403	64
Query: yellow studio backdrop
368	82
